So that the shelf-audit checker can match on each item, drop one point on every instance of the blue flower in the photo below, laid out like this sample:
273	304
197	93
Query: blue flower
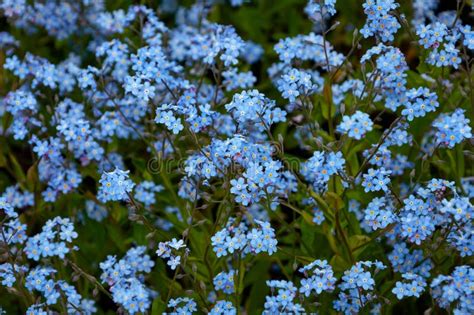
48	242
376	180
380	22
225	281
182	305
126	280
319	9
145	192
115	186
321	166
172	250
223	308
356	126
452	129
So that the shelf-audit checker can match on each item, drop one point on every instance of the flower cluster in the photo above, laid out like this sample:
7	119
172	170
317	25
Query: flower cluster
412	285
240	238
42	279
7	273
320	277
225	281
379	213
452	129
431	207
95	211
145	192
115	186
440	40
357	286
311	47
261	176
17	198
60	178
454	291
321	166
376	179
7	208
317	10
389	76
283	300
298	83
125	278
419	102
252	108
222	308
172	250
356	126
380	22
405	261
382	155
182	305
12	231
53	240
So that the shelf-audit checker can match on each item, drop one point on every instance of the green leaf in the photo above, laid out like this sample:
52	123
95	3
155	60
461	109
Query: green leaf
356	241
460	161
158	307
327	107
258	292
118	212
17	169
332	242
241	276
115	234
339	264
139	234
307	217
328	212
334	201
3	159
32	176
308	235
